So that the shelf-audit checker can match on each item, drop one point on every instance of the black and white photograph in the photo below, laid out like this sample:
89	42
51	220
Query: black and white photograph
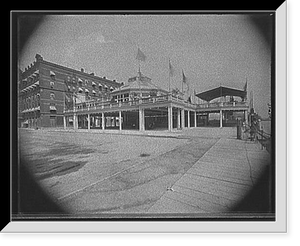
145	116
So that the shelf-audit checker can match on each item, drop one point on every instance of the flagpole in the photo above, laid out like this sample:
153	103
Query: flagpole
182	83
169	76
139	75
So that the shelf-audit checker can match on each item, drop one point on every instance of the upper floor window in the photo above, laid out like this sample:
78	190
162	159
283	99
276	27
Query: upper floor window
80	81
52	96
52	74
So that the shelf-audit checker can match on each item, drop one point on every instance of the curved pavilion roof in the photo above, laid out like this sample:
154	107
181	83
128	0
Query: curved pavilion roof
137	83
220	92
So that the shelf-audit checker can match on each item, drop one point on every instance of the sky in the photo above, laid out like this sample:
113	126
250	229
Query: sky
212	50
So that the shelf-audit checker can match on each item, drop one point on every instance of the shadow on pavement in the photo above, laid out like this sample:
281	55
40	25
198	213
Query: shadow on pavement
261	199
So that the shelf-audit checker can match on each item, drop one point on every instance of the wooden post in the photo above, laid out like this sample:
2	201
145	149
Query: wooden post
141	119
89	121
120	120
182	119
170	118
102	121
178	118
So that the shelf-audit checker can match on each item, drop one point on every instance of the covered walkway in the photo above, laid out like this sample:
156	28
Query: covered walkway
161	112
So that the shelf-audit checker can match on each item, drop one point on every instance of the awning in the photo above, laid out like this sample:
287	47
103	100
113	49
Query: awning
93	83
52	107
94	92
52	73
100	85
37	83
105	86
80	80
79	89
220	92
37	72
86	90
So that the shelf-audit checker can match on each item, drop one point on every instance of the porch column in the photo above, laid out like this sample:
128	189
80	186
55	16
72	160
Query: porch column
120	121
102	121
182	119
195	119
141	119
65	122
178	118
189	120
170	118
75	121
246	116
89	121
221	118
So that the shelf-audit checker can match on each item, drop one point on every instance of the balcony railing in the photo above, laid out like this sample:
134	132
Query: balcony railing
94	105
222	105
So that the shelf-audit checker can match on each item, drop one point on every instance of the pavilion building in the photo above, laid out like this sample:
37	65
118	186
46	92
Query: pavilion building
141	105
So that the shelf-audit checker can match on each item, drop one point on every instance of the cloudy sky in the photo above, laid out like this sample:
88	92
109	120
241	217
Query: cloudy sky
210	49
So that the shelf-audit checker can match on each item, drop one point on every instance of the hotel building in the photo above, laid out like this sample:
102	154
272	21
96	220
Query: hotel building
47	89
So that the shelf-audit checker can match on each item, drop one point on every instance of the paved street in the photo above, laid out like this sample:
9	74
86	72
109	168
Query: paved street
194	171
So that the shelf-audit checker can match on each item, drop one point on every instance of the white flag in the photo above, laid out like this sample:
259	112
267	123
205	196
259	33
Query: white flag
140	56
171	69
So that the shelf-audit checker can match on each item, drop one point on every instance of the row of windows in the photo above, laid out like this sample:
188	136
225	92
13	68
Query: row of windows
31	79
82	82
30	103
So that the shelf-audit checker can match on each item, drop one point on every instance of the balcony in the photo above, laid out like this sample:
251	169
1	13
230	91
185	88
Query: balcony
222	105
157	100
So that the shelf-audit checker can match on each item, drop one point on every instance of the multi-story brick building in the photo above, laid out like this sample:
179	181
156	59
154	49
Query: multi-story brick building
47	89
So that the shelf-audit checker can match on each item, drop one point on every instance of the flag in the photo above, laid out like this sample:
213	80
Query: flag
140	56
246	85
184	81
184	78
171	69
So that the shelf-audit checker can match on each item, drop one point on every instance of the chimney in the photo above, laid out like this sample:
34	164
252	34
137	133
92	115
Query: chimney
38	58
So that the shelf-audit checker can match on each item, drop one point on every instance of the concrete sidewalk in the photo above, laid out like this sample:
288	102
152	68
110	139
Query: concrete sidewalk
218	181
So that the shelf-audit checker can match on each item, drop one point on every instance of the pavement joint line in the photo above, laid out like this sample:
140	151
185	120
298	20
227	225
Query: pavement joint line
202	199
181	176
225	174
237	168
229	181
105	178
207	193
208	185
101	180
